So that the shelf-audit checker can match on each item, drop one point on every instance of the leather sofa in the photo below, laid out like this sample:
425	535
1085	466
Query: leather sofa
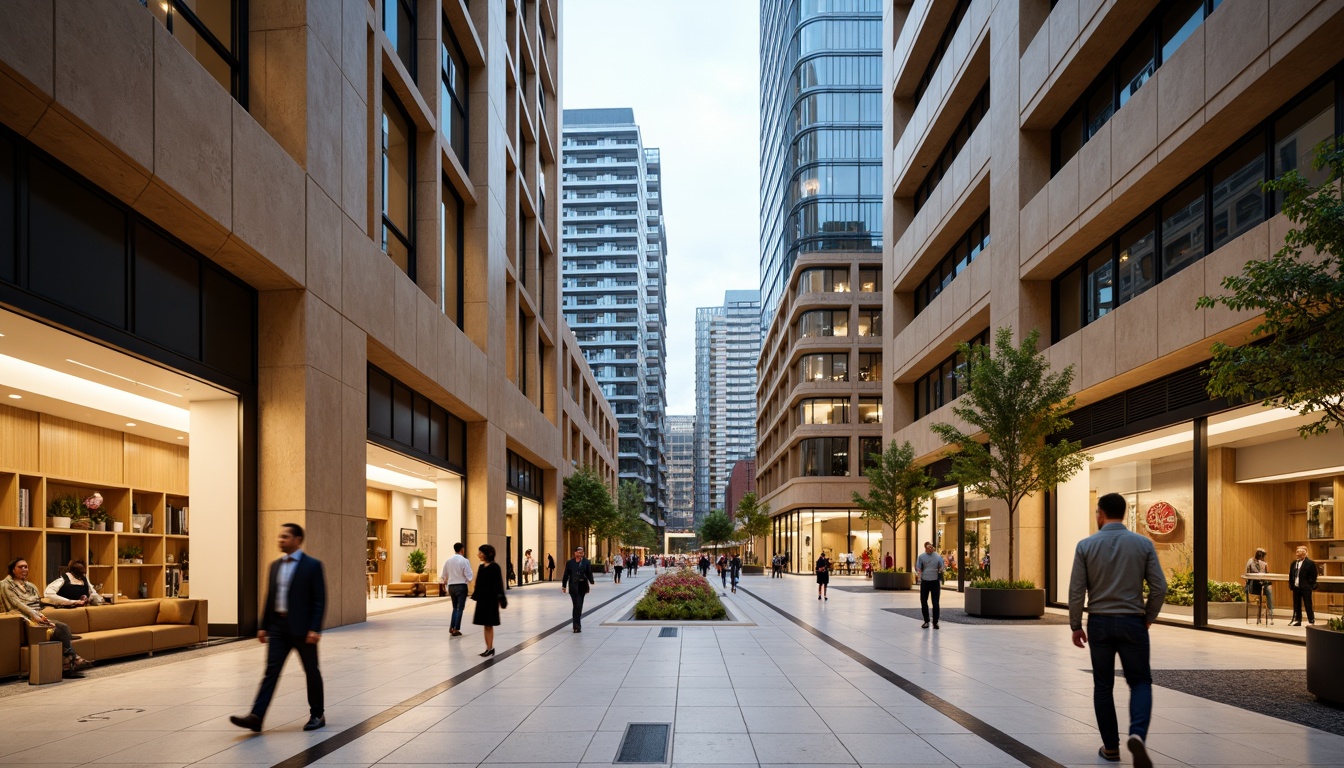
111	631
415	585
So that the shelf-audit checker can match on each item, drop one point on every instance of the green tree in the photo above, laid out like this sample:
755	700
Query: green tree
716	529
1012	402
587	507
897	489
753	519
415	561
1300	291
630	505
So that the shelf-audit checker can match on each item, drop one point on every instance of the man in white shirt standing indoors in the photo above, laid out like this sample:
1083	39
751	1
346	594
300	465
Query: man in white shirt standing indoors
456	575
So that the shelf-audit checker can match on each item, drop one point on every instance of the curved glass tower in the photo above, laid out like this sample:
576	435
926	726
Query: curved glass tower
821	134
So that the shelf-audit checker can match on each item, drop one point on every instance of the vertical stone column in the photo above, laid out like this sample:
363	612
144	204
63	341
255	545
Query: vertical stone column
487	449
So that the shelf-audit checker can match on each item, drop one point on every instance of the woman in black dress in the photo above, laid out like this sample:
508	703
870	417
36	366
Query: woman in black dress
489	596
823	576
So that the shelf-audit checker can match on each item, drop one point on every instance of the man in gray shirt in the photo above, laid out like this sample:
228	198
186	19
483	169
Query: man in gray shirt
930	567
1109	569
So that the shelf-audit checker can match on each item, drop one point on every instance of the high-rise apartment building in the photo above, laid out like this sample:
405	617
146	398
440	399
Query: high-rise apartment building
614	268
1117	151
821	264
292	262
681	472
727	343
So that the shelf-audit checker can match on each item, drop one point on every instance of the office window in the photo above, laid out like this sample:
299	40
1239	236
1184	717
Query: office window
823	281
824	457
960	135
943	383
940	50
1237	204
968	247
1183	229
870	453
209	30
399	24
398	184
1138	265
870	410
870	279
870	366
824	367
824	322
451	210
1100	284
453	73
827	410
1299	131
870	322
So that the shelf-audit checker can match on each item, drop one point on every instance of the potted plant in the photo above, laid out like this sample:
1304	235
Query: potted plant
1325	660
415	561
1227	599
1012	404
1005	599
92	507
62	511
131	555
897	490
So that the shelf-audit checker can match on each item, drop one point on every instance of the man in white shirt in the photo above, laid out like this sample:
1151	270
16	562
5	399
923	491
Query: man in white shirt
456	575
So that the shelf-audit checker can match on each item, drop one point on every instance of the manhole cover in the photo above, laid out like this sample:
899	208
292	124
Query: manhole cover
644	743
668	632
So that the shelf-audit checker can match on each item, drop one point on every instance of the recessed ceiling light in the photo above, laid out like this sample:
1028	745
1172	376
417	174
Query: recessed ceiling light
123	378
16	397
130	423
179	437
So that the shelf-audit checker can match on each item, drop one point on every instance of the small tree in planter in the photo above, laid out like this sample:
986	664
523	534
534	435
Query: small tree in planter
415	561
586	507
753	521
716	529
897	489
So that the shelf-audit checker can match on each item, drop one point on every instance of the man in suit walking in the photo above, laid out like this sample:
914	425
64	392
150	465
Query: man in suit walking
296	599
1302	580
575	580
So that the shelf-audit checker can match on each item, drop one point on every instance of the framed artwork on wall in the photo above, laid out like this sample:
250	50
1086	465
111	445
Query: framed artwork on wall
408	537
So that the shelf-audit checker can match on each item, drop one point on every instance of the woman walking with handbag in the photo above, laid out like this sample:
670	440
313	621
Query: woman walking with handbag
489	596
823	576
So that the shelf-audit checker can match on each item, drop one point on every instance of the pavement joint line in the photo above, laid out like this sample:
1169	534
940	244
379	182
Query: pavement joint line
348	736
995	737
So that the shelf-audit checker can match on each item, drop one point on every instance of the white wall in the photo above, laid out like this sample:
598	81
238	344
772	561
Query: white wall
213	476
1074	523
448	520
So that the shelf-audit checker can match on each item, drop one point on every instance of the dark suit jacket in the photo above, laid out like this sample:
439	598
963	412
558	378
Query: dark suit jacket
1307	578
307	596
577	575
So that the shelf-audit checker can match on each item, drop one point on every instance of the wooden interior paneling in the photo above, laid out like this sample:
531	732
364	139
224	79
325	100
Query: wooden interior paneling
1241	518
156	464
18	439
74	451
377	504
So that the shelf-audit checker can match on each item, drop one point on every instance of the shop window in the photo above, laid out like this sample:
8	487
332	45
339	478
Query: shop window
399	24
398	184
824	411
408	422
164	270
824	367
453	74
870	410
870	366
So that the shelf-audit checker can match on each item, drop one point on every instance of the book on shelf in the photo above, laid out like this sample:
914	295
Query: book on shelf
25	509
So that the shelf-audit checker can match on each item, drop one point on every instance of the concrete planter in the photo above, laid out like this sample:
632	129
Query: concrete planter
1005	603
1325	664
1216	610
893	580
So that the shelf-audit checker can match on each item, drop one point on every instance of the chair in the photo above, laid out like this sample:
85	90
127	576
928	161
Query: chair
1255	592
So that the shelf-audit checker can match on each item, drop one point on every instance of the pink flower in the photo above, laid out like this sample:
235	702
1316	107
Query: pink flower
93	502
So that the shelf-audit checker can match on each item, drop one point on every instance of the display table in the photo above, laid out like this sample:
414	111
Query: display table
1323	583
45	663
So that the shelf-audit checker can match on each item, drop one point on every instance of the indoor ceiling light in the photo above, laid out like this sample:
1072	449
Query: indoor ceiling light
59	385
388	477
946	493
407	471
1322	472
130	423
1266	416
123	378
16	397
1142	447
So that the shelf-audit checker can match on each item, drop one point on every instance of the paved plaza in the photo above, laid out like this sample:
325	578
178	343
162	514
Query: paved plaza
841	682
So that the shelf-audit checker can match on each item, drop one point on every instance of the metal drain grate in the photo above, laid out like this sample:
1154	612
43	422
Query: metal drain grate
667	632
644	743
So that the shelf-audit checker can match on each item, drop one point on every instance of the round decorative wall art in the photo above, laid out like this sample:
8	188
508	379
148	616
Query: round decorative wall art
1161	519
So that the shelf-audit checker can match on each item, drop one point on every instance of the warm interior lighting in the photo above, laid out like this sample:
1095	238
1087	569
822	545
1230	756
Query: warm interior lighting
388	477
976	519
59	385
1142	447
123	378
1265	416
130	423
16	397
1322	472
946	493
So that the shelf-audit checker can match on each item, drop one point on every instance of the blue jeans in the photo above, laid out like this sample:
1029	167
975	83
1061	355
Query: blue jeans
458	592
1128	637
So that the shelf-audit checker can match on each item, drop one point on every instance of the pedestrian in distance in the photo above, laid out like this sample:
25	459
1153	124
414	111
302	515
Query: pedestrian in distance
550	567
1302	581
1110	568
489	595
529	567
735	570
456	576
617	564
930	567
576	579
823	576
703	565
291	620
722	565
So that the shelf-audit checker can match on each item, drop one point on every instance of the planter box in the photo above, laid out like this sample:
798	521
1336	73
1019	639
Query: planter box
1005	603
893	580
1325	664
753	570
1216	610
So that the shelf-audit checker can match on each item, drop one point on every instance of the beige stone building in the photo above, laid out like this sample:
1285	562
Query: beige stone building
292	261
1115	151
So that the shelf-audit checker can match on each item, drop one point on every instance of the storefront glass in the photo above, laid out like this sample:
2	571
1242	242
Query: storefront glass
410	506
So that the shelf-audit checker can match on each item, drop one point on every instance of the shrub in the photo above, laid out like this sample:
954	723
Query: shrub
1003	584
1181	590
888	570
680	596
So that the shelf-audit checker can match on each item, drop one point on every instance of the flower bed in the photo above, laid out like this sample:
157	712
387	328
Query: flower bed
680	596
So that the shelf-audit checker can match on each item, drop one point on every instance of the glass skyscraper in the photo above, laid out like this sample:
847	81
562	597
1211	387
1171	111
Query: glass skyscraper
727	344
821	134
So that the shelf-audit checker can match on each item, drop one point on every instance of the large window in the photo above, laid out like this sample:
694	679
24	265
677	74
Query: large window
824	322
942	385
399	24
870	366
1153	43
969	246
870	322
824	367
824	281
870	410
398	184
453	94
962	134
870	453
824	457
944	40
1209	210
209	30
453	267
870	279
824	410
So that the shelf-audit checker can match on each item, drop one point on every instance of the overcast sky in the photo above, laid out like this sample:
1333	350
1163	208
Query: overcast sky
689	69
